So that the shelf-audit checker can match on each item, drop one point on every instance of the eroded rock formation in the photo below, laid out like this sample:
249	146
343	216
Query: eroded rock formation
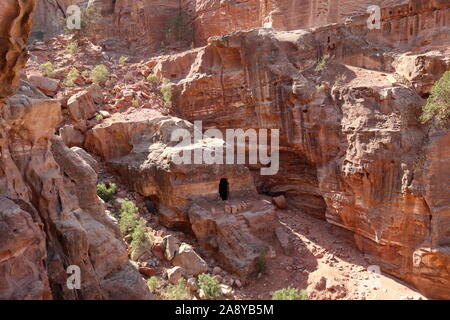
50	215
352	148
213	17
187	195
142	26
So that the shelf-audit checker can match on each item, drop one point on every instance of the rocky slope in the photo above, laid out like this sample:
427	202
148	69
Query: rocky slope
50	215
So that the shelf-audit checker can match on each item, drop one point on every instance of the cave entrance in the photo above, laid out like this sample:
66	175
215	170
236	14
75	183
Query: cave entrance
224	189
152	203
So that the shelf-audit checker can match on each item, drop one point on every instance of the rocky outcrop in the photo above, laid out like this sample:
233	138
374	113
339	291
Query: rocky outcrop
187	195
50	215
352	149
15	26
195	20
141	151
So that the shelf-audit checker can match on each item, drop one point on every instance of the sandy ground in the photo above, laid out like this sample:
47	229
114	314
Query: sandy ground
324	251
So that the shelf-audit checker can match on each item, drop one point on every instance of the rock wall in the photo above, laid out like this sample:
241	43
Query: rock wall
141	26
213	17
50	215
352	149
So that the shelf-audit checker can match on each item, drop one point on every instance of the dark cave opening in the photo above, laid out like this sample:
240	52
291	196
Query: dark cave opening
224	189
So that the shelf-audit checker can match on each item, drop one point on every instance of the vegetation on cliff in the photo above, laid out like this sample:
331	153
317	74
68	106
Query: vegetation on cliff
437	108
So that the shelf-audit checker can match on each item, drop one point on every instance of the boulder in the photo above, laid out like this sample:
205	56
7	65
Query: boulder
147	271
227	291
48	86
82	106
170	247
96	93
192	284
71	136
174	274
87	158
280	202
190	260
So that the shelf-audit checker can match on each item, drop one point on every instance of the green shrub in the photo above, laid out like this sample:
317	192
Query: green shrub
153	284
72	48
179	291
166	90
322	63
99	75
48	69
106	192
122	60
290	293
437	108
135	103
141	240
152	78
71	77
210	286
128	218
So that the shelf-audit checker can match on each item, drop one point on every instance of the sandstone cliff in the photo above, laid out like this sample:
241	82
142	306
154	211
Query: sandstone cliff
353	151
142	26
50	215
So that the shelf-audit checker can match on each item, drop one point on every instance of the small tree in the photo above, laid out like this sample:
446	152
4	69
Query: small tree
141	240
290	293
166	90
210	286
437	108
128	218
106	192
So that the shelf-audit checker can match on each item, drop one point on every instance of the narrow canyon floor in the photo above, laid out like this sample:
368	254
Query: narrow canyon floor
325	252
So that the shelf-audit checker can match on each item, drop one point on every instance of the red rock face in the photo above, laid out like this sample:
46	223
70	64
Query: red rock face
15	26
353	151
141	26
50	214
213	17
